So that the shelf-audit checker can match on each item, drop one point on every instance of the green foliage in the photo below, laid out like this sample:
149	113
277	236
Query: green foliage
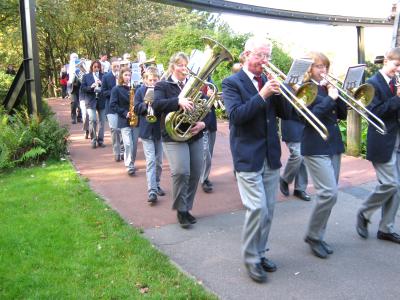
5	83
28	140
371	69
188	36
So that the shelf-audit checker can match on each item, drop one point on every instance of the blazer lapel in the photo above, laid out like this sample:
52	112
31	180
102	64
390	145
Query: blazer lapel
247	83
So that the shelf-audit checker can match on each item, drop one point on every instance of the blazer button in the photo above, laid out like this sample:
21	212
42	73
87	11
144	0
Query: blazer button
334	111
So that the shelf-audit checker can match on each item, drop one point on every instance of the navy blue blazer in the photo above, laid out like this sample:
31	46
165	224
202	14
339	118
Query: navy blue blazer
119	104
107	83
328	111
166	94
90	95
146	130
385	106
292	130
252	123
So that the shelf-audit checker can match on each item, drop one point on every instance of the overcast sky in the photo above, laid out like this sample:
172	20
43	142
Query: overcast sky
338	42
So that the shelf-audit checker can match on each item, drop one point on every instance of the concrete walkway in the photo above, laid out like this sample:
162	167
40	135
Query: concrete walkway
210	251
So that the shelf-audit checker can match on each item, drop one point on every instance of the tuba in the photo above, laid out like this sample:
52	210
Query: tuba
81	69
179	123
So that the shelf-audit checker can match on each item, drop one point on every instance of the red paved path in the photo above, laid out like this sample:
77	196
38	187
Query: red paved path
128	195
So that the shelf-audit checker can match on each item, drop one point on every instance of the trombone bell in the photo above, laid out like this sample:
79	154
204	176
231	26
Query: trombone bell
307	93
364	93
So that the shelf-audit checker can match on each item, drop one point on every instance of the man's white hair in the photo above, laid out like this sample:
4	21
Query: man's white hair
255	42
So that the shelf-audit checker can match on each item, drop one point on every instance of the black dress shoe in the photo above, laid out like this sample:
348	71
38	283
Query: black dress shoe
284	187
117	158
86	134
316	247
101	145
268	265
190	218
362	225
160	191
182	219
327	247
131	171
302	195
393	237
207	187
152	198
256	272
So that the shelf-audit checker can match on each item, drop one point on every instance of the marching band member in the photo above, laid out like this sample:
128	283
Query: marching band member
295	169
120	103
322	157
185	158
209	135
150	134
91	87
73	87
382	151
108	82
252	106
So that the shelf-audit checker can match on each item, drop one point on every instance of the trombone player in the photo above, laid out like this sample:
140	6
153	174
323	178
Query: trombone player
323	157
253	102
382	151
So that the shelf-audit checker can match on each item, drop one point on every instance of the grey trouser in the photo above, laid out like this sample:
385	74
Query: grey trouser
116	136
186	163
386	194
153	152
295	168
324	171
130	137
258	192
94	135
85	116
208	144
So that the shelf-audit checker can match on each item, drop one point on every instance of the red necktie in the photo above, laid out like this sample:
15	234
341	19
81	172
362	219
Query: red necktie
259	80
391	85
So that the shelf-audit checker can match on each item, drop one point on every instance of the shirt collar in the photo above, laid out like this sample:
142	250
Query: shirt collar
250	74
387	78
174	79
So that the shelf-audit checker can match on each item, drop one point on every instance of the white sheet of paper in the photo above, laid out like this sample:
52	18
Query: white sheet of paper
136	74
196	61
354	77
297	70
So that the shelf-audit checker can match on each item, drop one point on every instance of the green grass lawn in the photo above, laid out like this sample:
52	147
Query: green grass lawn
59	240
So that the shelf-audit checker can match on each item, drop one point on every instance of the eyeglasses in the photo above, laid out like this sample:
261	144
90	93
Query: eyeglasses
181	65
321	66
266	56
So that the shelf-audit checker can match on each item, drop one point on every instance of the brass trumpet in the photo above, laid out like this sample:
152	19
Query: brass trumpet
303	97
358	99
149	99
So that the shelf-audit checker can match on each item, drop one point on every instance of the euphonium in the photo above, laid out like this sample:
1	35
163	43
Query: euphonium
133	119
178	124
149	99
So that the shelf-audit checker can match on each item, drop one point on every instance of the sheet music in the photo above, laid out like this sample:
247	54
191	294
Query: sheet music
196	61
136	74
160	68
297	70
354	77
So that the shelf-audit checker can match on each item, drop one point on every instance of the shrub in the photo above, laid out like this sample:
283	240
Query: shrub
5	83
26	140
